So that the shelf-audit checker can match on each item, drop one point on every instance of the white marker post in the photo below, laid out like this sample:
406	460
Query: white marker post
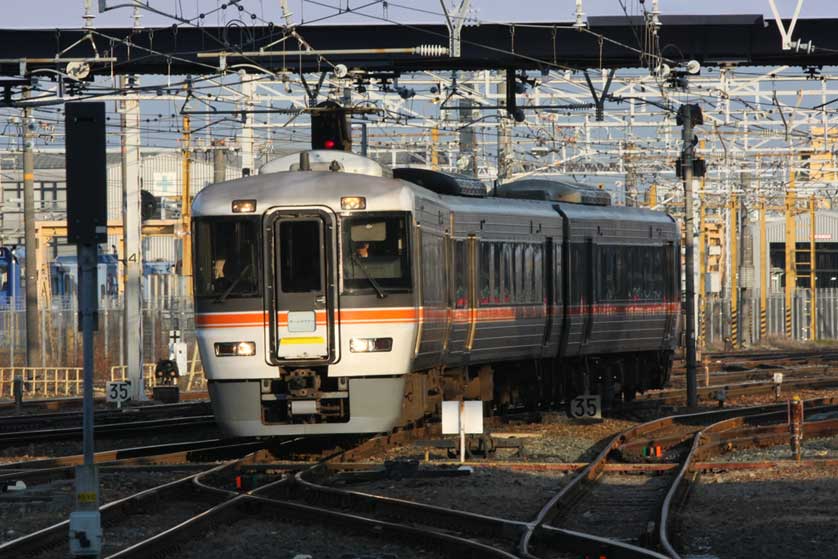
460	418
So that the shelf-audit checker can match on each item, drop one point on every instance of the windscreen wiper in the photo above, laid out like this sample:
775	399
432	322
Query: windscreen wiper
223	296
369	277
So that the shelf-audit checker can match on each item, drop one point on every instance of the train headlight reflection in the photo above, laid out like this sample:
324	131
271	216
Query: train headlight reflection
353	203
235	349
370	345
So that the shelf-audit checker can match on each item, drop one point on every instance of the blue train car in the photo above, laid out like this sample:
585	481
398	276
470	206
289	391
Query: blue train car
9	277
64	275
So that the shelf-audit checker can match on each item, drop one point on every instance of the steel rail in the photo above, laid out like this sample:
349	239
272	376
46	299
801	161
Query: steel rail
111	429
72	402
591	472
190	487
676	396
699	449
277	499
47	470
13	423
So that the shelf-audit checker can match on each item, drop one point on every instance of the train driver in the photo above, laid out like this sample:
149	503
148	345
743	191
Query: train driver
362	250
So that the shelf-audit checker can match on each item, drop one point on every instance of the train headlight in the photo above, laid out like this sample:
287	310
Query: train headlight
244	206
353	203
235	349
370	345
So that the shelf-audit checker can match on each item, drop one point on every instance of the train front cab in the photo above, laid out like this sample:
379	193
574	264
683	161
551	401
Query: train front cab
287	331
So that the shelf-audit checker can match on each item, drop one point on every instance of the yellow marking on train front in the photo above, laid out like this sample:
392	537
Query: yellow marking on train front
301	341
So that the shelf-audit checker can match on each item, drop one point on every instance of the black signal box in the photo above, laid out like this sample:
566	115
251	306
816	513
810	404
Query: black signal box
86	164
330	128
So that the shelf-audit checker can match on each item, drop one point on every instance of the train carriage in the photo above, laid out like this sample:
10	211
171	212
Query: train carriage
336	296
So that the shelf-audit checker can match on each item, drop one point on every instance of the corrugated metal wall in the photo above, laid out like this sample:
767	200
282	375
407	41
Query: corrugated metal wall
718	324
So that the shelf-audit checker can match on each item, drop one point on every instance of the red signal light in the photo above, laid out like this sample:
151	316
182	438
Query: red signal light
329	144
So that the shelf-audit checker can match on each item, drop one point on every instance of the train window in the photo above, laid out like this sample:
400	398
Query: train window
538	275
507	290
226	263
497	258
376	252
433	276
529	273
485	267
299	256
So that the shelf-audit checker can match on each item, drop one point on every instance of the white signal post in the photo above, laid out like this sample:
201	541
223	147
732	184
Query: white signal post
462	418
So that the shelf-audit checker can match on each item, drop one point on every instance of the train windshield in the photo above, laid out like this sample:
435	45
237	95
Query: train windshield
226	263
376	253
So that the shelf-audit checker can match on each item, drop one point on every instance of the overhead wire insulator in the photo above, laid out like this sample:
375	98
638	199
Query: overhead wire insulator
430	50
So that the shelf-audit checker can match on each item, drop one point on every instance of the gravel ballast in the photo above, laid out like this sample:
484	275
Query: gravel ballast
765	514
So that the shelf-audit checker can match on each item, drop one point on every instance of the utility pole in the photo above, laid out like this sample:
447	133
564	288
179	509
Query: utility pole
791	250
435	148
247	124
504	139
688	115
31	262
764	263
131	238
186	209
702	265
813	296
468	139
219	161
733	239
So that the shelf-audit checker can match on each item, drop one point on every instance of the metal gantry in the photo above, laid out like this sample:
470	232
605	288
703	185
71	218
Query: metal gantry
607	125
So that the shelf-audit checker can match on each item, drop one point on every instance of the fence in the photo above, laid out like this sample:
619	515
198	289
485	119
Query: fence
191	379
55	382
718	322
42	382
60	341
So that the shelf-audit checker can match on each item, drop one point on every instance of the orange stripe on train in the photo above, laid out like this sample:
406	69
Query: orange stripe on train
439	314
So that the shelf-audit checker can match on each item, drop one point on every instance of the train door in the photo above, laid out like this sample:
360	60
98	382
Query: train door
302	299
458	302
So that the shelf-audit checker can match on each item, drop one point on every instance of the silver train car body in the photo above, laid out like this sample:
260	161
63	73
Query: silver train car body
342	300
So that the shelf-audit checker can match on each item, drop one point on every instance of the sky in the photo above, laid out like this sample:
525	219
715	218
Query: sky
68	13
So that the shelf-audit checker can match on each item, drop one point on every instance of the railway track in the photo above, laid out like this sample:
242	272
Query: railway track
9	407
611	514
293	497
47	470
640	495
57	420
826	354
120	429
674	396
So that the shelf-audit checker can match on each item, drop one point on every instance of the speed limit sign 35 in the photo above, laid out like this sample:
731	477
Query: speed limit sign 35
587	406
118	391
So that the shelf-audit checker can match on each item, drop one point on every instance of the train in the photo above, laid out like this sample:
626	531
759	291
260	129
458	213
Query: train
10	275
336	295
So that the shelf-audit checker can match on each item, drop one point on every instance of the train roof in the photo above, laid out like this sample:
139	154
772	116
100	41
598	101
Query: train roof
554	190
304	188
443	183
